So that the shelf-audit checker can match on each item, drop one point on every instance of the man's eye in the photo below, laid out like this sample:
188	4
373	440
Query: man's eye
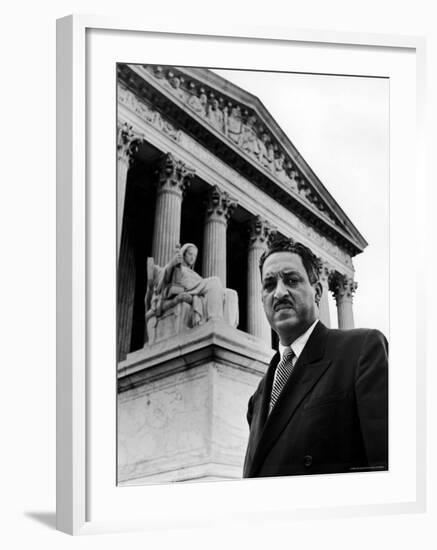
268	285
291	281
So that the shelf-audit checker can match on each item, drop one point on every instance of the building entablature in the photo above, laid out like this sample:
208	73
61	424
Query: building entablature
237	129
137	119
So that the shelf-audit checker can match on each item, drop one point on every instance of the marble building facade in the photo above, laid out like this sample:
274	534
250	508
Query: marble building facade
201	161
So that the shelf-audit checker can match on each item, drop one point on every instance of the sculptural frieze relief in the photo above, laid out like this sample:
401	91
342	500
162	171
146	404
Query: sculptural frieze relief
243	134
176	83
235	123
149	115
197	103
266	152
243	128
249	139
215	115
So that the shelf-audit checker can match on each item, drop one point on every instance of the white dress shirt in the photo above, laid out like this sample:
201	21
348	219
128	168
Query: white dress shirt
297	346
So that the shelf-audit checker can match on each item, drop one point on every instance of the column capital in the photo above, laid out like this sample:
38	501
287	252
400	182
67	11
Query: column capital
259	231
342	286
326	272
127	142
219	206
173	175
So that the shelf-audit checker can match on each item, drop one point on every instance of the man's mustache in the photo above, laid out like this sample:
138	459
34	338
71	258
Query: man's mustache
282	303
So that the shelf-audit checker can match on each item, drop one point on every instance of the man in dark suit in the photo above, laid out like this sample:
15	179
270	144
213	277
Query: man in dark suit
322	406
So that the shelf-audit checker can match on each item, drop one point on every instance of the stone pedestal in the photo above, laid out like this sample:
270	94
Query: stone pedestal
218	210
173	179
171	323
182	406
257	323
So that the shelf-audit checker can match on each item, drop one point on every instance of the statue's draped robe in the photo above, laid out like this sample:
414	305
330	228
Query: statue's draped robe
187	281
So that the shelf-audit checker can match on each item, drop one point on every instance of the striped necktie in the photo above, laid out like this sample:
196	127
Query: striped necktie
283	371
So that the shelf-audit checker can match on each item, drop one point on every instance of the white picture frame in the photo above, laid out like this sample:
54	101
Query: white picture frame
77	423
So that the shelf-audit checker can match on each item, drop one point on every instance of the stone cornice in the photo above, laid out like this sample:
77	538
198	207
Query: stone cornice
213	339
169	104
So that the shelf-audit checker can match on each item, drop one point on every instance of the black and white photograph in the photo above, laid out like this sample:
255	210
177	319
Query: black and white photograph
252	281
218	315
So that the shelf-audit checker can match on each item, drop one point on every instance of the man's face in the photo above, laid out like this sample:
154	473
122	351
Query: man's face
289	299
190	256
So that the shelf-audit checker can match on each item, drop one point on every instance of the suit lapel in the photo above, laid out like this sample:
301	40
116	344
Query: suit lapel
307	372
260	417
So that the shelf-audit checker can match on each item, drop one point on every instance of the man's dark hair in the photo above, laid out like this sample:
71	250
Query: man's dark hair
279	243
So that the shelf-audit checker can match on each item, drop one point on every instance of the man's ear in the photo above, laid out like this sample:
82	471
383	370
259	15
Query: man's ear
318	289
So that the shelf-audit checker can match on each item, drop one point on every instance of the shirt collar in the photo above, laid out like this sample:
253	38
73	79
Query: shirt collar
298	345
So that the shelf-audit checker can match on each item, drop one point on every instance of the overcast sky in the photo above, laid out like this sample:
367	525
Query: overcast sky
340	125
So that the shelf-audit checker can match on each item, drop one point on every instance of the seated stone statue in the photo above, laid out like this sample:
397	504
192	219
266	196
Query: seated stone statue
201	299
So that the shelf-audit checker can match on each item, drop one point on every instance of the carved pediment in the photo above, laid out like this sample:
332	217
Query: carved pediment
236	126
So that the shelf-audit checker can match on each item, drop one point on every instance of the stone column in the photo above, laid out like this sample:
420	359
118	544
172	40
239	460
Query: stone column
343	288
218	211
324	302
257	323
173	179
125	147
126	294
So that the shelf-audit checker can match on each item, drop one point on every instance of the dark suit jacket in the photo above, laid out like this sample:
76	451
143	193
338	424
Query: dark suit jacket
332	414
